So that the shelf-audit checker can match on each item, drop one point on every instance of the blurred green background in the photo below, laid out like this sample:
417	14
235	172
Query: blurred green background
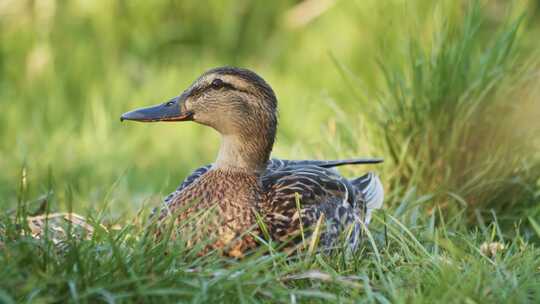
449	99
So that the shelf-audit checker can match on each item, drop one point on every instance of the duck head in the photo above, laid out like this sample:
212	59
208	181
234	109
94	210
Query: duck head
237	103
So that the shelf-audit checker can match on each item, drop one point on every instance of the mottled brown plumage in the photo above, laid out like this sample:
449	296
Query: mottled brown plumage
243	184
232	194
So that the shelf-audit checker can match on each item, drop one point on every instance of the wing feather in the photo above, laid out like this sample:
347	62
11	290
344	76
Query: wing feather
321	191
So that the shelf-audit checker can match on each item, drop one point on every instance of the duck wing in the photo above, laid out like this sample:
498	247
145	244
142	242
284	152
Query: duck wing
369	185
322	192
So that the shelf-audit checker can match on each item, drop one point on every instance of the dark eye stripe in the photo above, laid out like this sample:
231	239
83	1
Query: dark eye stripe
211	86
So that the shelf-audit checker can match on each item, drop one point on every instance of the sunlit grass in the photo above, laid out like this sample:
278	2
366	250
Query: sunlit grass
449	117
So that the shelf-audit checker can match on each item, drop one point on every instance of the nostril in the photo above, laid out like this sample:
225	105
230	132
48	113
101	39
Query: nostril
168	104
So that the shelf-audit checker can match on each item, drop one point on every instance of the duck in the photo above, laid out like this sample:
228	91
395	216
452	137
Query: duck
253	195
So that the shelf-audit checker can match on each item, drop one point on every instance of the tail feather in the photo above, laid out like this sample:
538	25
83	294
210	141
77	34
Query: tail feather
372	189
280	163
354	161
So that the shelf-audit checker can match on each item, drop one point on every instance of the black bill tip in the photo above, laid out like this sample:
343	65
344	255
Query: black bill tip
140	115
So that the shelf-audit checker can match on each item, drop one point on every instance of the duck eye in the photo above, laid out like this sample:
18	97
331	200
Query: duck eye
217	83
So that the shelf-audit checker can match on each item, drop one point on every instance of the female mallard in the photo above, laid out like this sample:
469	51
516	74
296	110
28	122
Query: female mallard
244	184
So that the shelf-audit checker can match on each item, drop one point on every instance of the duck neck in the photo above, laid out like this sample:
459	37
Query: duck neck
243	153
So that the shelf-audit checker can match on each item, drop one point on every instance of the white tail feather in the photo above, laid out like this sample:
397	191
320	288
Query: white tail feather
373	192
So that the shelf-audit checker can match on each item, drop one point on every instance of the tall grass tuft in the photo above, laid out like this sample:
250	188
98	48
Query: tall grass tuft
448	116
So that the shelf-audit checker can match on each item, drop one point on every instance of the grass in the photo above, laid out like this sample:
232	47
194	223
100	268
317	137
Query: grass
453	131
445	91
405	257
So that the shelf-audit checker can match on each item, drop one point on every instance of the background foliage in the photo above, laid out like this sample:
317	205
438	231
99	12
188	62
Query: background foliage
446	91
